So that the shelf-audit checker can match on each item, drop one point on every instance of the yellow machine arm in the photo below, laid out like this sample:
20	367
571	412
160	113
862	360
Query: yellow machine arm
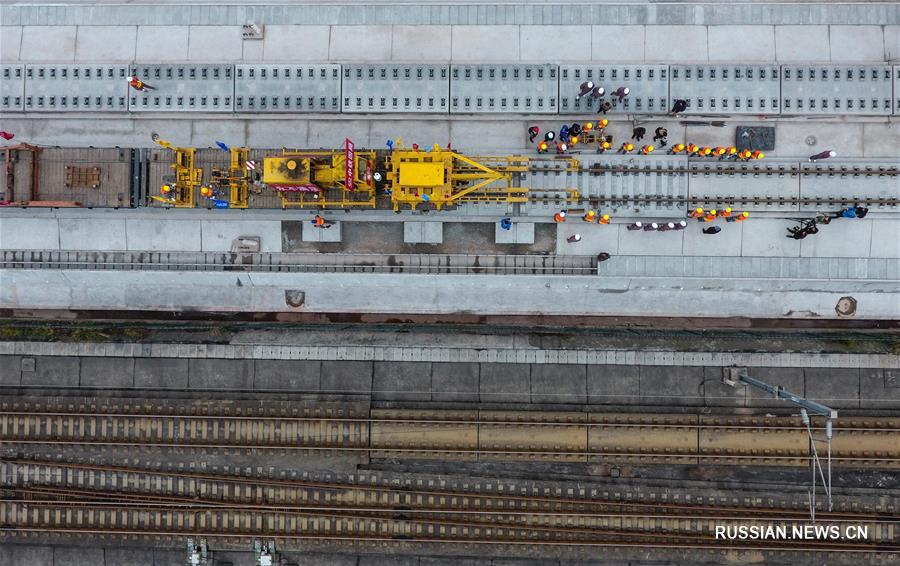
187	176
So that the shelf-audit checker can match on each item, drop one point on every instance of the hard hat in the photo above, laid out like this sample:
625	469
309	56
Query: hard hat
671	224
590	84
562	147
549	136
542	145
129	79
713	212
638	224
745	214
728	209
606	217
650	148
603	123
606	145
626	90
165	189
562	213
206	191
699	210
758	155
654	225
629	146
573	140
588	127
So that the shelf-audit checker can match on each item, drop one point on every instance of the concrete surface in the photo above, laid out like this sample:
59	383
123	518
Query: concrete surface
311	233
520	233
423	232
296	43
219	235
107	44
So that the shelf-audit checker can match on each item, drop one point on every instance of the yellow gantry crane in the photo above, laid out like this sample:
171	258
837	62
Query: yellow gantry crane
187	177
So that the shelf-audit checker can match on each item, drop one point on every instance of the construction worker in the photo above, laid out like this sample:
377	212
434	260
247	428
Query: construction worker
740	217
506	224
604	146
319	222
549	136
603	219
680	225
167	191
573	141
745	155
206	192
824	155
730	153
667	226
704	151
588	126
647	149
574	238
660	134
678	106
757	154
564	133
718	151
692	148
710	216
712	230
542	147
635	226
622	92
602	123
677	148
574	130
586	87
626	147
589	216
637	134
560	216
697	213
652	227
533	131
605	107
726	214
138	84
561	147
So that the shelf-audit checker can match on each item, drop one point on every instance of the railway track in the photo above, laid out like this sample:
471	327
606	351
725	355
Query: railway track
452	435
69	498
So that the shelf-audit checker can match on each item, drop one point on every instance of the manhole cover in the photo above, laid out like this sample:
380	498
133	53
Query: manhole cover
294	298
811	140
846	306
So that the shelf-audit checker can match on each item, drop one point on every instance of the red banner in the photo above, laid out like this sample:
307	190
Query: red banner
297	188
349	156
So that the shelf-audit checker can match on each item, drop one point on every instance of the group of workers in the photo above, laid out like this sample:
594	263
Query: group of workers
701	215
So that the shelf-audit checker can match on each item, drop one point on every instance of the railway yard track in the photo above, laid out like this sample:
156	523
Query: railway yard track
460	435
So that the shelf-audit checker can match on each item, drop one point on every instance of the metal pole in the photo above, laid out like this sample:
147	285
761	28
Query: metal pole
812	494
828	434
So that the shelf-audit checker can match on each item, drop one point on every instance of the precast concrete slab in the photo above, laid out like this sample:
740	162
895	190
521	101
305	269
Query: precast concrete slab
110	373
221	235
836	89
163	235
12	88
407	381
161	373
353	377
726	89
613	385
648	85
221	374
102	234
53	372
423	232
836	388
184	88
505	383
29	233
296	376
287	87
11	371
769	239
556	384
843	237
454	382
395	88
519	233
672	386
531	89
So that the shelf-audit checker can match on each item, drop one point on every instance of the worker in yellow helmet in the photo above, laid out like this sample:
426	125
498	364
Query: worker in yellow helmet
647	149
693	148
718	151
587	127
740	217
602	123
730	152
697	213
542	147
757	155
745	155
573	141
677	148
604	219
167	191
604	146
704	151
589	216
710	216
206	192
726	214
626	147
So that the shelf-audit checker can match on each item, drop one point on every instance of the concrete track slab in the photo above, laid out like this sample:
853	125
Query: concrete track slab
478	44
163	235
881	139
717	394
725	243
676	44
79	556
757	44
618	44
219	235
104	234
879	388
505	383
161	373
112	373
845	137
10	371
347	377
308	43
638	242
613	385
769	239
558	384
854	44
221	374
29	234
676	386
802	44
409	381
455	381
128	556
536	42
595	238
56	372
837	388
296	376
849	238
421	43
51	44
223	41
892	43
10	42
162	44
790	378
105	44
360	43
25	554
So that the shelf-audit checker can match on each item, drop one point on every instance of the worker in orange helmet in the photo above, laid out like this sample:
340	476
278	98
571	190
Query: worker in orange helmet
740	217
589	216
704	151
626	147
692	148
718	151
697	213
542	147
745	155
604	146
710	216
318	221
677	148
206	192
604	219
757	154
726	214
647	149
560	216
